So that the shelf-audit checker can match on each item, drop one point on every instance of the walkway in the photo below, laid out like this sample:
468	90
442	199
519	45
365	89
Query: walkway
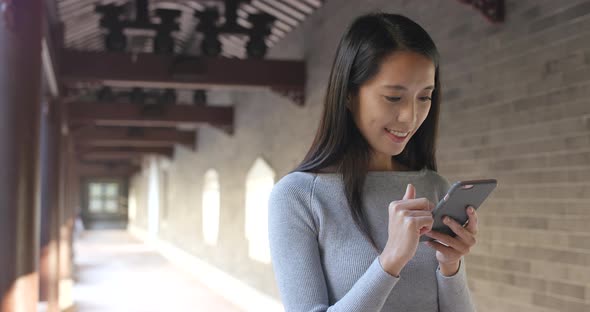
116	272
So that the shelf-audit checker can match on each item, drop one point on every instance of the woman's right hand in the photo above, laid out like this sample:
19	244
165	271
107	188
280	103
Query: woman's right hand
409	218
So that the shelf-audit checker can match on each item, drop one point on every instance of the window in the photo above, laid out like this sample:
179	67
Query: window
259	183
211	205
103	197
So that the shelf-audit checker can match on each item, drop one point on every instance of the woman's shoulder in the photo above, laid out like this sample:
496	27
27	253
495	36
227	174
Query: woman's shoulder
296	179
290	200
294	184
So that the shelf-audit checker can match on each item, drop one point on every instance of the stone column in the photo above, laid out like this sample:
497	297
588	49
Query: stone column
20	86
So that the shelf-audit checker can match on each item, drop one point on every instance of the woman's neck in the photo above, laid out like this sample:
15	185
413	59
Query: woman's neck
395	166
387	165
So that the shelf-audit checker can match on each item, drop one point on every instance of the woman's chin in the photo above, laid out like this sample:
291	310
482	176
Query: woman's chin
396	149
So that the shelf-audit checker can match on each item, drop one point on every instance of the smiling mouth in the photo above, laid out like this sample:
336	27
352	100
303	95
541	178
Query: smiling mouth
398	134
397	137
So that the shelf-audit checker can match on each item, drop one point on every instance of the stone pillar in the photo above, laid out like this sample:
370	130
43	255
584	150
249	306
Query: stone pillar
20	86
65	216
50	209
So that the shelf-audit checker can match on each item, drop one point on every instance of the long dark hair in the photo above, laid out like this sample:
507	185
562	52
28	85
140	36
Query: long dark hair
338	141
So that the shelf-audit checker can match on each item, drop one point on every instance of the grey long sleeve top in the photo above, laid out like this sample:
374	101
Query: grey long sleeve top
322	262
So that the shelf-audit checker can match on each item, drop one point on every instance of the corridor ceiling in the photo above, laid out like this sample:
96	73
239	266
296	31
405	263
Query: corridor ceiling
109	95
82	31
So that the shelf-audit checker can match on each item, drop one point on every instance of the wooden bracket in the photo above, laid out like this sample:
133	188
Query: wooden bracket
492	10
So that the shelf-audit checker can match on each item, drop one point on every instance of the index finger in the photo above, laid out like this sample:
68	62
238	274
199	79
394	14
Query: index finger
413	204
472	221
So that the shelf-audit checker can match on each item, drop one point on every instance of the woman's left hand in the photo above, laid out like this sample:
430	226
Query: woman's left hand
449	257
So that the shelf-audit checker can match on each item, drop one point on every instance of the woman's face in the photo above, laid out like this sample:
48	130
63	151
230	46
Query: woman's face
390	108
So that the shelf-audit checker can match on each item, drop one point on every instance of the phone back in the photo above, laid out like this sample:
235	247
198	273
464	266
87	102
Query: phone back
460	195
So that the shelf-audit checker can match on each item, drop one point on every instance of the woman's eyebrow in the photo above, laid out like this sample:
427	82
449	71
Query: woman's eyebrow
400	87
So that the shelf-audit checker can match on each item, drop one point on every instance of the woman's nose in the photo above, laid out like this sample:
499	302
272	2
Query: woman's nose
406	112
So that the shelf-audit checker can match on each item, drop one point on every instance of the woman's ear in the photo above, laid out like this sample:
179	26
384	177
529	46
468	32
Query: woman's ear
349	103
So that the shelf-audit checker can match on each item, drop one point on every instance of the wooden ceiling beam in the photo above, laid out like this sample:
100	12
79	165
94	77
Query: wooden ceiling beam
133	115
147	70
134	137
106	169
120	154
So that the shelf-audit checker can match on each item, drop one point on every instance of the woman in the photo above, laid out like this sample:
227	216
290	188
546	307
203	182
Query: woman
345	225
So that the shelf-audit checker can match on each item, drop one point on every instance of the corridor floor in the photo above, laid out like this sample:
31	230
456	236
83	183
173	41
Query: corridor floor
116	272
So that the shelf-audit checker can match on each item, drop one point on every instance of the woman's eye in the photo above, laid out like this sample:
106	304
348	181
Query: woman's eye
397	98
393	98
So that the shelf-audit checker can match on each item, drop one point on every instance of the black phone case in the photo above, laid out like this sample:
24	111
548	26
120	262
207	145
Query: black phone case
461	195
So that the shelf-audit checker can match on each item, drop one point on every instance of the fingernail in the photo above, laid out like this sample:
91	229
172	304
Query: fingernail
471	209
446	219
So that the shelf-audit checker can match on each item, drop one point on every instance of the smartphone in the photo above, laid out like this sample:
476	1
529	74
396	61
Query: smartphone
454	204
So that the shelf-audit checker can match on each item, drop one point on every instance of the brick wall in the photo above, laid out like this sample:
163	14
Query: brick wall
515	108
